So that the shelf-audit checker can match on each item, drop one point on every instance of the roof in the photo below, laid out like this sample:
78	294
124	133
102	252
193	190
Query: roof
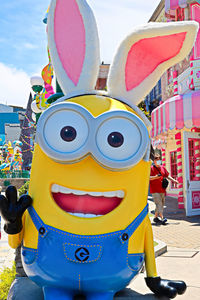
157	11
177	112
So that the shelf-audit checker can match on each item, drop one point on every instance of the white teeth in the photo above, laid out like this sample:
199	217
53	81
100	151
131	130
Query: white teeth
60	189
96	194
120	194
90	216
109	194
55	188
63	190
76	192
81	215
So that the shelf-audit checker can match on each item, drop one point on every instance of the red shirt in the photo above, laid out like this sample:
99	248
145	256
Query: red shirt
156	184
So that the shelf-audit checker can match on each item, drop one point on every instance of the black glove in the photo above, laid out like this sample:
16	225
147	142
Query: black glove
164	287
12	209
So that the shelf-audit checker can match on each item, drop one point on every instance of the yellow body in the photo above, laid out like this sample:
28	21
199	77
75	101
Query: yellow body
88	175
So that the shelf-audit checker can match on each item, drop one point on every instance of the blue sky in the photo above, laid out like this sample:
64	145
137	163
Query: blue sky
23	38
22	33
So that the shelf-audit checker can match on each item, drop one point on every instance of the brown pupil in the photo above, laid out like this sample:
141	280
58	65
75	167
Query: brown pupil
115	139
68	134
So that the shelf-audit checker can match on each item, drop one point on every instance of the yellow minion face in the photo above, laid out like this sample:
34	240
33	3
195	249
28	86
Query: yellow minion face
90	165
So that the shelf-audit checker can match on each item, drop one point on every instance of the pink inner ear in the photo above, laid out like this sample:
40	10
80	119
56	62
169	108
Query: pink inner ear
147	54
69	34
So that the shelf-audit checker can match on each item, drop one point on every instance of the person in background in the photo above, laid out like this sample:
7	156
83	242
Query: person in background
158	172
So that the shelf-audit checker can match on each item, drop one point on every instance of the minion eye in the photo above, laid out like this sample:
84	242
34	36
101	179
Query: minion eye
66	131
121	139
118	138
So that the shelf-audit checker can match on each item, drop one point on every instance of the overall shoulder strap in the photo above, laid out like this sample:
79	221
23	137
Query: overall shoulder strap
134	225
37	221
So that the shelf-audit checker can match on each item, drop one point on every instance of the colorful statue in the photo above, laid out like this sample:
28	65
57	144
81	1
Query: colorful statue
17	161
47	75
13	160
6	165
1	157
87	228
42	94
37	84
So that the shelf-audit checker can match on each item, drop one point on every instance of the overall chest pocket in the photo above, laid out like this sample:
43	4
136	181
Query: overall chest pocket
82	253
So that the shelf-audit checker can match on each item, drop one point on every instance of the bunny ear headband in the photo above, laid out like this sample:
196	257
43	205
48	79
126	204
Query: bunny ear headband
139	62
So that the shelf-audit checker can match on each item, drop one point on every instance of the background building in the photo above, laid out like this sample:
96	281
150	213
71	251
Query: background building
176	122
11	118
154	98
103	75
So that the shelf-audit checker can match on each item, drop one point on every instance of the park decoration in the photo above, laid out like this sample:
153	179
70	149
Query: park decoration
27	135
13	157
86	229
39	88
42	87
47	76
37	84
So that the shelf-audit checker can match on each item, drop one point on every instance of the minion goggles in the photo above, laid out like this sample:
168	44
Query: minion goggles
67	133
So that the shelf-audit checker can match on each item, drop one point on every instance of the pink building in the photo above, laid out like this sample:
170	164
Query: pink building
176	122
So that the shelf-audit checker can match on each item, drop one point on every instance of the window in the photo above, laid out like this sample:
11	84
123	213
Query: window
191	158
174	171
159	87
180	14
151	96
169	76
194	159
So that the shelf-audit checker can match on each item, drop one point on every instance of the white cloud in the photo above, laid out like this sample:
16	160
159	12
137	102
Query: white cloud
14	86
116	19
29	46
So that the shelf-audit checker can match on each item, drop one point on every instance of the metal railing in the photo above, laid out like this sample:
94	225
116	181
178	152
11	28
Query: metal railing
14	174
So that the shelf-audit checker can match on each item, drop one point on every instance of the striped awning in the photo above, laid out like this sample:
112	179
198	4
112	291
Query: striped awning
176	113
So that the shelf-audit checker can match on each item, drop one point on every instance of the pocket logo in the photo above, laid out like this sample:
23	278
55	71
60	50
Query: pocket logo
82	254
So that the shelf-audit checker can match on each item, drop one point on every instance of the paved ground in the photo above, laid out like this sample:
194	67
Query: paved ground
182	261
181	231
6	253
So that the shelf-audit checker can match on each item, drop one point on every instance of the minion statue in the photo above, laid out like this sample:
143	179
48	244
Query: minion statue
84	225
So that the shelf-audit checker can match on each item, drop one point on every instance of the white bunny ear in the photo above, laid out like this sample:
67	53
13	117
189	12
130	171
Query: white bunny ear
74	45
145	55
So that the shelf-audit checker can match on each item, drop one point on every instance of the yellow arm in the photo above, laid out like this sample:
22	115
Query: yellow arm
14	240
150	262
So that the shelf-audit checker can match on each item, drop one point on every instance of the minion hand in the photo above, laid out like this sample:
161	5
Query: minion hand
12	209
164	287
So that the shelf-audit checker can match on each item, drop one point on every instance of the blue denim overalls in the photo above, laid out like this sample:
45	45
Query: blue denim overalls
82	264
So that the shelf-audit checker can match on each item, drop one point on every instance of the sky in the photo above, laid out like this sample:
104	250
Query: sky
23	41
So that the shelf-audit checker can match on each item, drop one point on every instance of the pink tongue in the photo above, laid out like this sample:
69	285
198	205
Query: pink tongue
86	204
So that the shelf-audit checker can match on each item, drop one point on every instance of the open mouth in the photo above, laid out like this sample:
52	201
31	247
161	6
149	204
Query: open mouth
86	204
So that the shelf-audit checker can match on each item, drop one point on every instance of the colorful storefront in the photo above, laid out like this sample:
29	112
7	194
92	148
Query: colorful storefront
176	131
176	122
